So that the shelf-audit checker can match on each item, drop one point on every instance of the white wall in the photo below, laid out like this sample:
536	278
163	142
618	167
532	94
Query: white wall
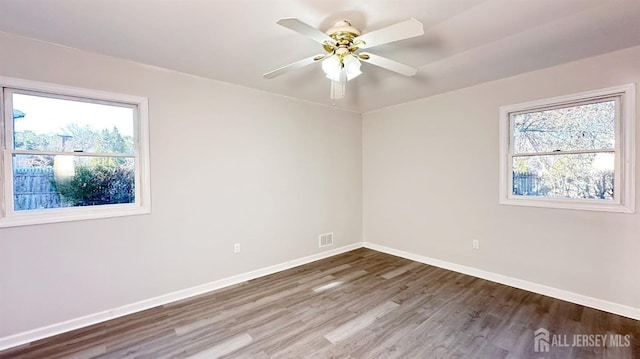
430	171
228	164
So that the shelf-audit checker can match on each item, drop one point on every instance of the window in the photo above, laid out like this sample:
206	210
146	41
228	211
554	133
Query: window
573	152
71	154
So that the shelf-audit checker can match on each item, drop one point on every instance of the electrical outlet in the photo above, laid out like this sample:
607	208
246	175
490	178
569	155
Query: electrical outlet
476	244
236	248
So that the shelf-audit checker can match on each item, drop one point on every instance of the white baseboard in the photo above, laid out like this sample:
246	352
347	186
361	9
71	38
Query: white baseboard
611	307
59	328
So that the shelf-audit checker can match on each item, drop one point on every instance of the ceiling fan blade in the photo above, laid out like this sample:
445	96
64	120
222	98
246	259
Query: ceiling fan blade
293	66
305	29
388	64
400	31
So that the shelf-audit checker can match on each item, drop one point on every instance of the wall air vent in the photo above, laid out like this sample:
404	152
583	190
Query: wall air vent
325	240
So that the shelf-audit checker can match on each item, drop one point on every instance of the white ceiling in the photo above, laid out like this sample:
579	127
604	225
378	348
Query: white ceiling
466	42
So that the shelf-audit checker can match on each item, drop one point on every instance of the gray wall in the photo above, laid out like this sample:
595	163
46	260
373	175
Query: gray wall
278	173
421	177
431	187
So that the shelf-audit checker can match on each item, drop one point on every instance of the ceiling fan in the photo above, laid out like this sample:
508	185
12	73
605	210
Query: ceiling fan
341	43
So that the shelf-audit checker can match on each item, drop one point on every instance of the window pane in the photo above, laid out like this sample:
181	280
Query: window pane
42	182
574	176
50	124
580	127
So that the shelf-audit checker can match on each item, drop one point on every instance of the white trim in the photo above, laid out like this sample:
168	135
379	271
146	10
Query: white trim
4	113
625	162
72	214
77	323
59	328
142	205
611	307
56	89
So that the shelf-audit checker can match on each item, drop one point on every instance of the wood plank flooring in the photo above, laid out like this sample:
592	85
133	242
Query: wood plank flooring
361	304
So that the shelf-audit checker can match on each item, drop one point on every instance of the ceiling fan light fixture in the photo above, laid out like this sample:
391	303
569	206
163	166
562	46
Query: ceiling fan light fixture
342	42
351	66
334	65
331	67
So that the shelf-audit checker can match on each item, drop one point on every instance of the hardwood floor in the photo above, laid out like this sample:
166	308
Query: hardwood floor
361	304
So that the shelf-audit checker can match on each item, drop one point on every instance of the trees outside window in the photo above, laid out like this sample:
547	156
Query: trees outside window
574	152
69	148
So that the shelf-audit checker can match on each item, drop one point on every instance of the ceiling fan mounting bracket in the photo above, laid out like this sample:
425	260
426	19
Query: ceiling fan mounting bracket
343	26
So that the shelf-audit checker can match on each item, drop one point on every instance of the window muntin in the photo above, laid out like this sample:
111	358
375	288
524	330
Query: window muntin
573	152
71	154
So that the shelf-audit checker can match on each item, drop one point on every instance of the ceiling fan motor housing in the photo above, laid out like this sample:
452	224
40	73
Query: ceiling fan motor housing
343	33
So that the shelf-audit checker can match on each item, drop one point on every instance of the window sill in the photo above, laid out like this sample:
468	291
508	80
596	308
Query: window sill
28	218
559	203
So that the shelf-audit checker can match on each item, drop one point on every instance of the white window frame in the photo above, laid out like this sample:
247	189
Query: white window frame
142	204
624	190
